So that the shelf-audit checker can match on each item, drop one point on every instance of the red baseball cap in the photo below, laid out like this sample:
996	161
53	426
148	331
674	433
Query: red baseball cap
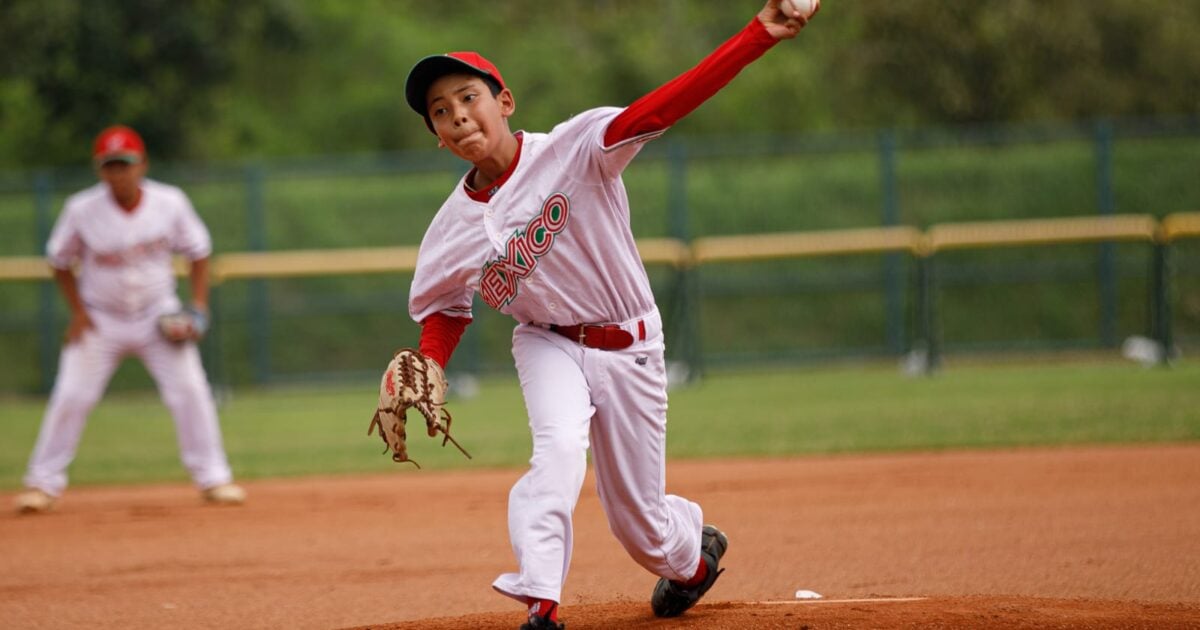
434	67
119	143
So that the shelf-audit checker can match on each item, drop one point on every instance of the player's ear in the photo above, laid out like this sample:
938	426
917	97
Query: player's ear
508	104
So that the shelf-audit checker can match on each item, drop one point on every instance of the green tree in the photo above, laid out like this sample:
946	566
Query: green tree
71	68
1005	60
346	95
211	79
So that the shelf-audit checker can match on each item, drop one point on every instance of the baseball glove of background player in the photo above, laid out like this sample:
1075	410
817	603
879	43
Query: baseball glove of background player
189	324
412	381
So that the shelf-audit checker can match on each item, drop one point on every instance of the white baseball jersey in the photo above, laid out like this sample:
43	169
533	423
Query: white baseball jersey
124	257
553	245
126	280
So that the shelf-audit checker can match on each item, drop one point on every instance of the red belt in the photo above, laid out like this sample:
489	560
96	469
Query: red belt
601	336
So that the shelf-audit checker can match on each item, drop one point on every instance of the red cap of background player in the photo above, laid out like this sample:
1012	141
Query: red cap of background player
434	67
119	143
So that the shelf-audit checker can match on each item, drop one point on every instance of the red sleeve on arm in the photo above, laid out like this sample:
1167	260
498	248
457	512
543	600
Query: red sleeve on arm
672	101
440	335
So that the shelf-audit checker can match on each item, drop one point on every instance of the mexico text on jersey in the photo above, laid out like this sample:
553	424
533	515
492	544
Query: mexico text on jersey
500	280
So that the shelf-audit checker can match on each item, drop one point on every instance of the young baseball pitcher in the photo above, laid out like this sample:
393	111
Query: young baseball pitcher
111	251
540	227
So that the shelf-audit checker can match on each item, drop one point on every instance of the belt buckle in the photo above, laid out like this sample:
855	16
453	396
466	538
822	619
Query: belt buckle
583	334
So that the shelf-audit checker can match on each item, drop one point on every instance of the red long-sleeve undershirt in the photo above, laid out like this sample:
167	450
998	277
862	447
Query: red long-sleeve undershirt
440	334
655	111
677	98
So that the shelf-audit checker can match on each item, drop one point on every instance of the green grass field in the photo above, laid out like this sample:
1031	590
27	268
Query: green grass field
322	430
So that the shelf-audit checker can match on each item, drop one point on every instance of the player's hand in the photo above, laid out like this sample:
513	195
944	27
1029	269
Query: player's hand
780	25
80	322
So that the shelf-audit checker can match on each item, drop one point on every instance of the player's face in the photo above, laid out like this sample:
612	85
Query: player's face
467	118
123	179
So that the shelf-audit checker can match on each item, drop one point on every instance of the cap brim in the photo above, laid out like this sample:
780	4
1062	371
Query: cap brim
428	70
128	158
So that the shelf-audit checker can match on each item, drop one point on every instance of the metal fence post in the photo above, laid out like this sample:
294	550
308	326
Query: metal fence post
1160	298
893	289
687	301
471	346
258	317
48	339
927	301
1106	205
212	346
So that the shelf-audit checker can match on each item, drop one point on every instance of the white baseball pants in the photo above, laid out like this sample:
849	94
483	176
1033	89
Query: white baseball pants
84	370
617	399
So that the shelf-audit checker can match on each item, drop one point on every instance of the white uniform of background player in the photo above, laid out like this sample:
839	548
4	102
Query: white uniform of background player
540	228
114	265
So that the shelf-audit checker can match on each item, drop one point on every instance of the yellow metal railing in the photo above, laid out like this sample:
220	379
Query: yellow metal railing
713	249
315	262
802	244
24	268
1179	225
1128	227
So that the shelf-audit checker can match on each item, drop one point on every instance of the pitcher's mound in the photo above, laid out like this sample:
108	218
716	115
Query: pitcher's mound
881	612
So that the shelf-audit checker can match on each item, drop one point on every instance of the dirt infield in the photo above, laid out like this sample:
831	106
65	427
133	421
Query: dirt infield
1073	538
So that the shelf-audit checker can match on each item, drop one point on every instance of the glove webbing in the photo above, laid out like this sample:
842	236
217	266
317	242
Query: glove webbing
432	427
376	422
425	406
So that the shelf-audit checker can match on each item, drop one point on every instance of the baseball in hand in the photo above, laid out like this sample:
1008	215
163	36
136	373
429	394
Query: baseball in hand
804	7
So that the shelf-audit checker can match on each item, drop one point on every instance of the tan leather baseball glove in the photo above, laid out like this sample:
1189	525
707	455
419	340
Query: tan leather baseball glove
411	381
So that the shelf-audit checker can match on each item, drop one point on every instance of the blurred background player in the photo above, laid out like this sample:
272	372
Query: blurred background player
111	252
540	227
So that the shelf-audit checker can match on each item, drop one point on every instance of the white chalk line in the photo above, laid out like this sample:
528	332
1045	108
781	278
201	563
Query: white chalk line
866	600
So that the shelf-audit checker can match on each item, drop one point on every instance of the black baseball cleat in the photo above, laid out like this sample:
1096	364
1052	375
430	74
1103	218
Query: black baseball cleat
542	623
671	599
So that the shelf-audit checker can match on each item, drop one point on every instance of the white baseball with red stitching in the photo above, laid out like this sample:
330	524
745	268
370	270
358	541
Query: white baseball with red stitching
804	7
